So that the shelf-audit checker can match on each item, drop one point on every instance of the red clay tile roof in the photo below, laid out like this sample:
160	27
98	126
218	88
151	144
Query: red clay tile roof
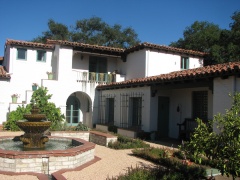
77	44
117	51
28	44
164	49
129	50
3	73
219	70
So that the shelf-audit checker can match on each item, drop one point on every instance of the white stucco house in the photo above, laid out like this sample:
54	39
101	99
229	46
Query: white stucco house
147	87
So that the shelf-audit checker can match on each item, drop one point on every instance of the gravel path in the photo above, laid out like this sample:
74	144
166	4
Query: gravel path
112	164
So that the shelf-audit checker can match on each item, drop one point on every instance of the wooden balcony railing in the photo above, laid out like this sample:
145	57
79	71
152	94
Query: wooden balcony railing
94	77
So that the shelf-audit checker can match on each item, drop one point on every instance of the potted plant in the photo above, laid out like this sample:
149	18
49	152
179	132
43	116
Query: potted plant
50	75
15	97
34	86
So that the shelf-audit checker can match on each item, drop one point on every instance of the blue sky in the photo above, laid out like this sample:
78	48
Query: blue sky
155	21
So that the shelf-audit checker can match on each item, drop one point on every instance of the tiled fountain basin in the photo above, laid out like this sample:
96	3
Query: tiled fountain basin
44	161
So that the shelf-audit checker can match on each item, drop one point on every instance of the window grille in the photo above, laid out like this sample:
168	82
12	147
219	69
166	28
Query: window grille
104	116
131	110
200	105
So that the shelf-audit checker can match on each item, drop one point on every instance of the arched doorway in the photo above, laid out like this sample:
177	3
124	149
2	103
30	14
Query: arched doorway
73	111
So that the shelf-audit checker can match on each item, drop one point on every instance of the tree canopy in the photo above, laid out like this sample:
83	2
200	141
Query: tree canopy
91	31
222	45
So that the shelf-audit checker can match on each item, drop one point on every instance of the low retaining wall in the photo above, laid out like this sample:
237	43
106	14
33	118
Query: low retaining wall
96	137
128	133
73	134
102	127
101	138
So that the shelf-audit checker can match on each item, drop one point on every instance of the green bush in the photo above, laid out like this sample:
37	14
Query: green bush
60	126
112	128
138	173
144	135
53	114
221	149
127	143
152	154
40	98
14	116
81	127
174	165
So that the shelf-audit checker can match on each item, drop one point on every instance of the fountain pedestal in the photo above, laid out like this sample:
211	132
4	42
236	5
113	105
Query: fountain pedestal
34	129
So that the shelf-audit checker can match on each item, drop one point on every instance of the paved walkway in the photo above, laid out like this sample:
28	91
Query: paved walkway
112	164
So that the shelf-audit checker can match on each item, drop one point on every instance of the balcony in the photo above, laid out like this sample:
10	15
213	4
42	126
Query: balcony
103	78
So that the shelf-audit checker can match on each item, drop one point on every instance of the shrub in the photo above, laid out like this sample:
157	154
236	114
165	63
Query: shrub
152	154
112	128
81	127
14	116
127	143
221	149
53	114
138	173
176	167
144	135
40	98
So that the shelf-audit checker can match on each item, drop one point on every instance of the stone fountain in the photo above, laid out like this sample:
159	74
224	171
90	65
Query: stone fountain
34	127
36	156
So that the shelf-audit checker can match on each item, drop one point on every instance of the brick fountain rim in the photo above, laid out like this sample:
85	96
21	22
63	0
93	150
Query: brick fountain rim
13	158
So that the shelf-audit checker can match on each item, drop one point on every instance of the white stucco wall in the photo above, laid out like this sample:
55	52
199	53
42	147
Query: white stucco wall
145	104
177	97
26	72
146	63
136	65
161	63
222	88
195	62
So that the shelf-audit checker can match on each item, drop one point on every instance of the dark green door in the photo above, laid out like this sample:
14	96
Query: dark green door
163	116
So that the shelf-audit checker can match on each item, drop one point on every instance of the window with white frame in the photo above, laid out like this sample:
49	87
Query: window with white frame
184	62
21	54
41	55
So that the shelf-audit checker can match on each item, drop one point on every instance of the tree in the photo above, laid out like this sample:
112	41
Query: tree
221	146
91	31
53	114
41	99
200	36
221	45
57	31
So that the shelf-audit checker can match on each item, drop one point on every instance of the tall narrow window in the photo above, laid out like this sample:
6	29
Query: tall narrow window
136	111
21	53
110	110
200	105
184	62
41	56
